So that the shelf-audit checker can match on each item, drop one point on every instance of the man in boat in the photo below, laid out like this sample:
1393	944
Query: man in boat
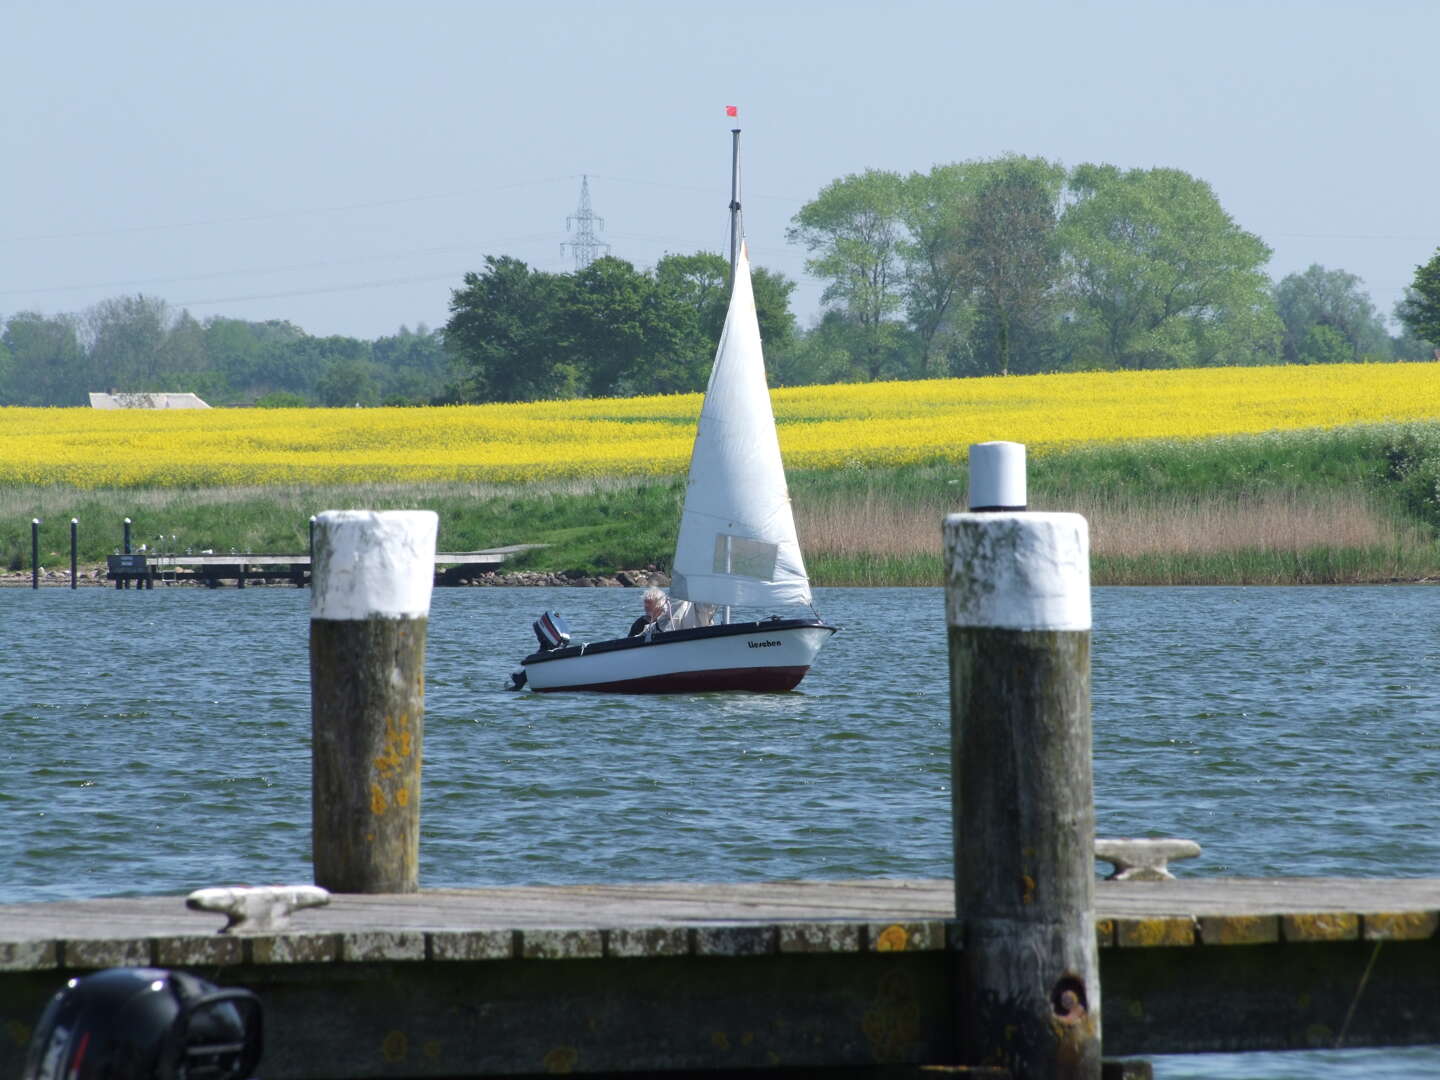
662	615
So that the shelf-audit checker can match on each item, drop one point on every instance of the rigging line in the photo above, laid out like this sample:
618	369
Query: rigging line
271	216
1365	978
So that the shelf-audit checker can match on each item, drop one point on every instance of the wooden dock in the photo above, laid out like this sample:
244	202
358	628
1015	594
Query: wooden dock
597	979
143	569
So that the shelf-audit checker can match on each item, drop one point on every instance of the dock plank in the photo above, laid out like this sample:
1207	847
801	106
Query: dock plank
1400	907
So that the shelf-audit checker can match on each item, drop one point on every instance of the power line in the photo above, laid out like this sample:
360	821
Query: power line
352	287
445	249
294	212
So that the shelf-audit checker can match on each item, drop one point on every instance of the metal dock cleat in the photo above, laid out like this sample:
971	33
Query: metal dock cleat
255	909
1143	859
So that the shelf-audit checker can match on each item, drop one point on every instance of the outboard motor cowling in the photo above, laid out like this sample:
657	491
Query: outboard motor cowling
551	631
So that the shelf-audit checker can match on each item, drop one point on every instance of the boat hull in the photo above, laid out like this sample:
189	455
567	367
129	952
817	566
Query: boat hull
772	655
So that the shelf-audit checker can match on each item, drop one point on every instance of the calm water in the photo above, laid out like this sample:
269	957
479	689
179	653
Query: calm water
158	742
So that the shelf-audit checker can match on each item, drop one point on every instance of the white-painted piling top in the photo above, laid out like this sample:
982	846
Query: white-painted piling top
373	563
1017	571
997	476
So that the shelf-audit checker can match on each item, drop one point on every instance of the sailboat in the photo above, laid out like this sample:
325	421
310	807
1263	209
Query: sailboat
736	546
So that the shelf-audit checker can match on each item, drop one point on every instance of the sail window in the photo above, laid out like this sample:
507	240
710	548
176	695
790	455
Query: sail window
742	557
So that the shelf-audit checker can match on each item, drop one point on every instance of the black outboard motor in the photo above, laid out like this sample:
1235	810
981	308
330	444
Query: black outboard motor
146	1024
551	631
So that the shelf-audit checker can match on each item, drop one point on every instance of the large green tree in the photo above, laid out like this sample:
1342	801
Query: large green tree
855	234
1331	300
1160	274
501	334
1420	309
936	209
623	334
48	365
1013	260
127	342
607	330
700	284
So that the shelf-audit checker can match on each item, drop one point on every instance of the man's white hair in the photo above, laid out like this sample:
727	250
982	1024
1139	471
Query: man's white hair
654	593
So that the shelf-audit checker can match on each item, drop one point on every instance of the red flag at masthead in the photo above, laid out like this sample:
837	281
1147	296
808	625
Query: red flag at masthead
732	110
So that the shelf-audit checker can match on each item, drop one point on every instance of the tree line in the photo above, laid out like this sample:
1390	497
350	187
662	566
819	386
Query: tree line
1003	266
1017	265
138	343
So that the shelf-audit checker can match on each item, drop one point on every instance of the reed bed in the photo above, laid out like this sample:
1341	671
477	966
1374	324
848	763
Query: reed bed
1294	536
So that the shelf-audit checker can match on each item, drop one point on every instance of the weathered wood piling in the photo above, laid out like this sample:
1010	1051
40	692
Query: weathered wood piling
369	610
1017	598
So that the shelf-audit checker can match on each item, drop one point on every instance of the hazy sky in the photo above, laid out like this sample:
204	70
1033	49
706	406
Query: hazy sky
341	165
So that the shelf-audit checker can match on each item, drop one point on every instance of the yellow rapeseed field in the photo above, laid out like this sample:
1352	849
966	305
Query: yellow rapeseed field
820	427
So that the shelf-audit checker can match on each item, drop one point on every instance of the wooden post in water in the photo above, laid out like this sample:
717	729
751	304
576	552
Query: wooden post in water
369	606
74	551
1017	599
35	553
123	582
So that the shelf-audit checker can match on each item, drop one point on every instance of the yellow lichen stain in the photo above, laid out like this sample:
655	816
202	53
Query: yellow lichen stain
747	1038
398	745
1163	930
394	1047
19	1033
1136	1009
1322	926
719	1040
1027	895
1240	929
431	1050
893	938
393	765
561	1061
1400	925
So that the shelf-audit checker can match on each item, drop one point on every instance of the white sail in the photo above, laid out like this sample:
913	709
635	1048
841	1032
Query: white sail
737	542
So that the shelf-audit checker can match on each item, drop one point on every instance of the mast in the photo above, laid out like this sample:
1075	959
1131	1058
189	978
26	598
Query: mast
734	199
734	253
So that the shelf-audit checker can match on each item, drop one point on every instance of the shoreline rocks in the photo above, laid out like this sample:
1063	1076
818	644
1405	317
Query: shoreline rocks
95	576
622	579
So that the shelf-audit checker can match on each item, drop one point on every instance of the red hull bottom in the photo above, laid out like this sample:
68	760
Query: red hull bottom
761	680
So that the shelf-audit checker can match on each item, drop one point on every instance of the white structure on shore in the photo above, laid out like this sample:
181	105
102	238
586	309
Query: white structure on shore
146	401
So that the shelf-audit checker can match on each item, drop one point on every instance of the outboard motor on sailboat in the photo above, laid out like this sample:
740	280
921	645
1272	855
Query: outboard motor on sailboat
552	631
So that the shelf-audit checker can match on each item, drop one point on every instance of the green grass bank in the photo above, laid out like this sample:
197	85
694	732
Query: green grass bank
1354	504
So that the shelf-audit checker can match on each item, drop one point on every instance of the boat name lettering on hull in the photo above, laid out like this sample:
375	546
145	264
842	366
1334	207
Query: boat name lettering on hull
763	644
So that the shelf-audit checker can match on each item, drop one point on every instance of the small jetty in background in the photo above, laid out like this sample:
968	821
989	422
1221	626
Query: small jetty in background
143	569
